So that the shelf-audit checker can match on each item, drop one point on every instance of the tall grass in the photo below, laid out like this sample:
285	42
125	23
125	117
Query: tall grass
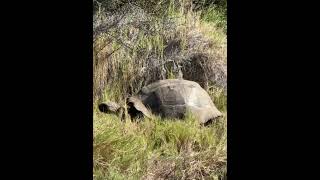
216	15
137	53
158	148
134	54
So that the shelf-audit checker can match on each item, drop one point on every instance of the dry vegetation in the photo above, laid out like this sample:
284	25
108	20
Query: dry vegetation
134	46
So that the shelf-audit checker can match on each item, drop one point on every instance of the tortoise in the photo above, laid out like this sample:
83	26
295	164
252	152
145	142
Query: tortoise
170	98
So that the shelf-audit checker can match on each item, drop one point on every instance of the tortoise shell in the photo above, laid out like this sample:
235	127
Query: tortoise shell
173	98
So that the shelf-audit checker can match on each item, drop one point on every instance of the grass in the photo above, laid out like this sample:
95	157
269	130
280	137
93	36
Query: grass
160	148
217	16
114	62
141	150
156	148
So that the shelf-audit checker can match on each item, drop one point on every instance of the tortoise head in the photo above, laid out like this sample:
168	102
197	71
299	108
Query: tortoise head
109	107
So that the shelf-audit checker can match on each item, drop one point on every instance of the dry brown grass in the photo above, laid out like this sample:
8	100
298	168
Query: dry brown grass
138	49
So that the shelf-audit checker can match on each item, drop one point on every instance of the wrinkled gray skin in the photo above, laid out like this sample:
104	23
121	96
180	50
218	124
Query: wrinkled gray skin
170	98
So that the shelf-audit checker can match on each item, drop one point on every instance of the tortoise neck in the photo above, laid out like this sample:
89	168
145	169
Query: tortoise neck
121	112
